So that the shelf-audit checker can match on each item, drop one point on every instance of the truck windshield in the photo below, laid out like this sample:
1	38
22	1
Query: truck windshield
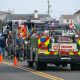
64	36
64	32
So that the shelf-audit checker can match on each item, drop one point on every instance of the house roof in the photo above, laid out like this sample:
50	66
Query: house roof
78	12
25	16
4	12
67	16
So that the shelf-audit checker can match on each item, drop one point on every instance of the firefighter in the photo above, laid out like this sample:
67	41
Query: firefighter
2	45
9	44
20	47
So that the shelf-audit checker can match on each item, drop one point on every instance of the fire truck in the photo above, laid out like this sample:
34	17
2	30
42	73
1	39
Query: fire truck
58	47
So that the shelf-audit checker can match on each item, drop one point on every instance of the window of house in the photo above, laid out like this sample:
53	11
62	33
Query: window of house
67	20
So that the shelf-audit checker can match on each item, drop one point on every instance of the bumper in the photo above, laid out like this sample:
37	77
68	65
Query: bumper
57	58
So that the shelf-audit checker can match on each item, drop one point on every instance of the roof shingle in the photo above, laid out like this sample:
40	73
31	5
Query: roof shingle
78	12
25	16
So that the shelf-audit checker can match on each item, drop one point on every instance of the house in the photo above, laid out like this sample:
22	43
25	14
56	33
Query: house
35	17
66	19
77	21
77	17
3	15
31	20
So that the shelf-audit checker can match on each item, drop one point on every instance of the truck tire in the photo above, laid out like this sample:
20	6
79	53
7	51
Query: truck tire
74	67
37	65
44	65
78	67
30	63
40	65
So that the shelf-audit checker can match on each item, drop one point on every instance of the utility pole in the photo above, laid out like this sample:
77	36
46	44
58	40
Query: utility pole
48	6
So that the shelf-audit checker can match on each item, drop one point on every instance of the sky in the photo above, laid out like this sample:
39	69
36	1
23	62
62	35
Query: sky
58	7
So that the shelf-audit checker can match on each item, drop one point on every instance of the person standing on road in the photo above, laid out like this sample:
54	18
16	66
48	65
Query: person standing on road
2	45
9	44
20	47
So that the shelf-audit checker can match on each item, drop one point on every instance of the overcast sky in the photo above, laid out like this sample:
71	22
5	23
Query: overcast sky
58	7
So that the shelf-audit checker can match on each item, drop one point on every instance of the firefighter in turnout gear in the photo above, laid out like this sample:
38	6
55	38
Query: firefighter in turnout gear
20	47
9	44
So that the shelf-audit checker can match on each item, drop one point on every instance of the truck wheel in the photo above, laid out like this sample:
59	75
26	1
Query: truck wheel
44	65
64	65
74	67
30	64
78	67
37	65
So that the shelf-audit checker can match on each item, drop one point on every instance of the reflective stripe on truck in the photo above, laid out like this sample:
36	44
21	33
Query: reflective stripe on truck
42	44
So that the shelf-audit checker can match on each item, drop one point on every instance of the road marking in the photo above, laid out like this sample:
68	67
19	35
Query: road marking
51	77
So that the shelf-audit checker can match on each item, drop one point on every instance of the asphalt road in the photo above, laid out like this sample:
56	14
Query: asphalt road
11	73
22	72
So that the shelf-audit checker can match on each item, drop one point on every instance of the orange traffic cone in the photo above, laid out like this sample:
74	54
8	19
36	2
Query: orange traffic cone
1	58
15	61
